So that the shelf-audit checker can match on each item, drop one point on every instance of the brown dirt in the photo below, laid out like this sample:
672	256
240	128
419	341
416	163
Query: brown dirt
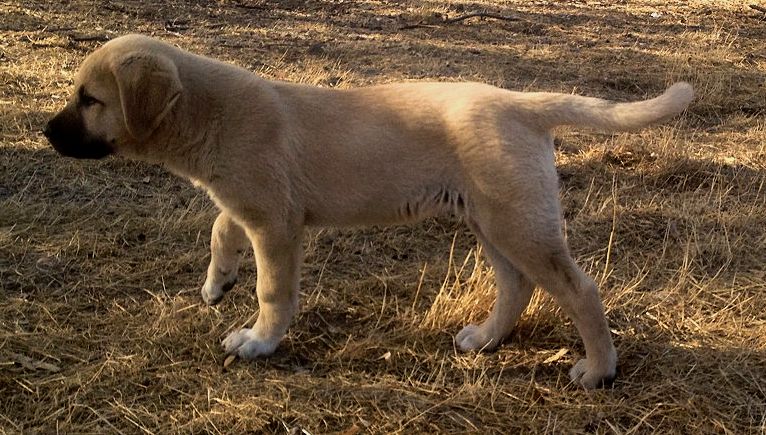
101	263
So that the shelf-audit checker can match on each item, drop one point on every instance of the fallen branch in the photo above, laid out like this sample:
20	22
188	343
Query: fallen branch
758	8
481	14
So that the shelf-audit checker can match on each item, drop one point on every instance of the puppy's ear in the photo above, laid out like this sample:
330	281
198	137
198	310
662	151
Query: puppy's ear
149	87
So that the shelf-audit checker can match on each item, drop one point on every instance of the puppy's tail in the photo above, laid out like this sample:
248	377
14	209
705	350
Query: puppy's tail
563	109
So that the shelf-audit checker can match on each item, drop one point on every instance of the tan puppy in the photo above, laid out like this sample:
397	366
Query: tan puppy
276	157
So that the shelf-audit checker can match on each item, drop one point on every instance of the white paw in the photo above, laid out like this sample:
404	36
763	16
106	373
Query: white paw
213	292
591	375
248	344
473	337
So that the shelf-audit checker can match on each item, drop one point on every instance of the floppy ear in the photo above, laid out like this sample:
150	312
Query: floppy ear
149	87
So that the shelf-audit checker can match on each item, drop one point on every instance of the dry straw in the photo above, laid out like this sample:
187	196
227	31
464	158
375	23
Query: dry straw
102	329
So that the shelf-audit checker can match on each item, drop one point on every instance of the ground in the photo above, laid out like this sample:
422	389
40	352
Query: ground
103	329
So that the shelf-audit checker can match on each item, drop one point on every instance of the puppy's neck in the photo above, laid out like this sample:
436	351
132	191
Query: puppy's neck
185	148
212	111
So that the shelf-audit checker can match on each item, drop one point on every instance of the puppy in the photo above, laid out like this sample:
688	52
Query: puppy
276	157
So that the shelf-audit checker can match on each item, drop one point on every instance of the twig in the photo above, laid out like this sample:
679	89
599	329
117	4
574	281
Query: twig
758	8
58	29
176	25
482	14
29	363
419	26
88	38
606	273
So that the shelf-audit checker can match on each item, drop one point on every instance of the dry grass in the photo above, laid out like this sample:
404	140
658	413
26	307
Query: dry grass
100	263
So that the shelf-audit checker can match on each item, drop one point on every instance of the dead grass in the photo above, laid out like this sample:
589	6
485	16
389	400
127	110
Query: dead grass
101	325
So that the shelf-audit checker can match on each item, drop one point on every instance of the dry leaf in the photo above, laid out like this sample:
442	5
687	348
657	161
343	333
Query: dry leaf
557	356
229	359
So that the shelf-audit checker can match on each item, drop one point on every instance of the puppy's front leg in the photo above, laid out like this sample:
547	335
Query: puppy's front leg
278	256
227	244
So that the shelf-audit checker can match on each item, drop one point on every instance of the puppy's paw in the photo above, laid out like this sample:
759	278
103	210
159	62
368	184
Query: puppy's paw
212	293
248	344
592	376
473	337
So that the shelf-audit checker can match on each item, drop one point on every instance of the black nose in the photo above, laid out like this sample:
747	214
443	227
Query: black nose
47	130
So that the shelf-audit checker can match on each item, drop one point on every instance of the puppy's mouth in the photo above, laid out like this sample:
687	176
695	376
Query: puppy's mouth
67	135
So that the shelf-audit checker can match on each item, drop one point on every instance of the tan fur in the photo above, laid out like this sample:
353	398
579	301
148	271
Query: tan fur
276	157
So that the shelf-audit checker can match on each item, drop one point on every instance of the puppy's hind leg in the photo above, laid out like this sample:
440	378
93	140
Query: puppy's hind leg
537	248
514	291
227	244
278	256
518	212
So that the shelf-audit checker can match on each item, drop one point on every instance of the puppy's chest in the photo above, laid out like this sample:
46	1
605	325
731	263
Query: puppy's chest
219	196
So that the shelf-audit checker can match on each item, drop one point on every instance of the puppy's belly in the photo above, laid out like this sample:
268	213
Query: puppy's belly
383	210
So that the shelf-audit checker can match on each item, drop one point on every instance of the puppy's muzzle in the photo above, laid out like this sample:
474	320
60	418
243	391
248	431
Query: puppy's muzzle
66	133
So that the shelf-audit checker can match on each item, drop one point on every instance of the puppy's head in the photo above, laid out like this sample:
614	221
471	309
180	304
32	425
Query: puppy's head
122	93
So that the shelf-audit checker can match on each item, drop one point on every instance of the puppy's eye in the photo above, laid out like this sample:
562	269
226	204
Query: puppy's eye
87	101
